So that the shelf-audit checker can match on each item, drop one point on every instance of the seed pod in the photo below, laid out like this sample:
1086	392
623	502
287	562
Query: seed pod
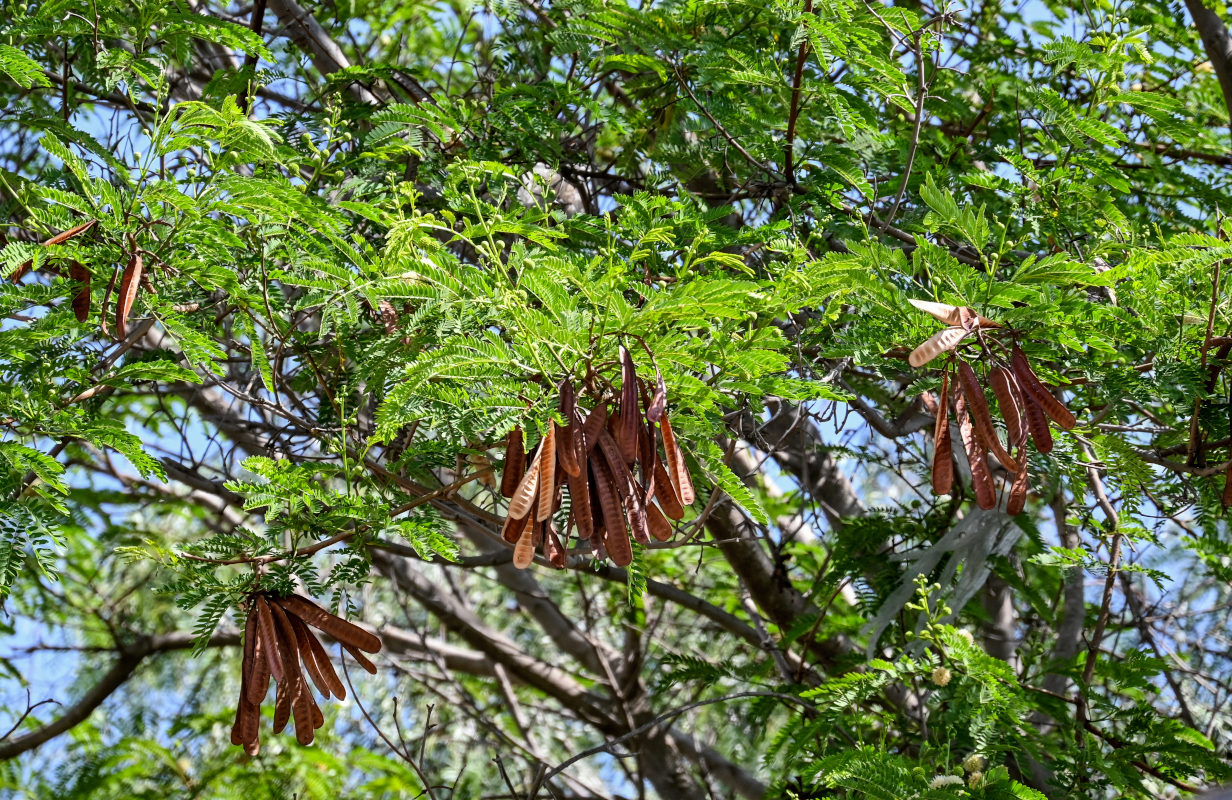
659	526
943	455
658	402
515	462
59	238
547	475
981	478
258	681
1006	390
528	490
676	466
360	658
129	284
324	666
636	512
269	638
511	531
282	708
950	315
524	550
1018	491
629	415
977	407
306	654
1037	423
1030	383
81	300
665	492
244	730
615	540
622	481
595	422
940	342
648	449
579	502
553	550
322	620
930	402
566	450
596	506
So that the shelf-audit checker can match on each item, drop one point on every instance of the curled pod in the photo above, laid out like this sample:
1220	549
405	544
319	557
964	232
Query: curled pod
1006	390
1030	383
981	477
977	408
515	462
943	449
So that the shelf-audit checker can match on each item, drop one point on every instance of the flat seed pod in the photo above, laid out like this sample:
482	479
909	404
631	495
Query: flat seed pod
547	475
629	410
596	506
322	620
269	638
306	654
665	492
930	402
596	420
288	644
677	469
636	513
1030	383
1006	390
282	708
977	408
553	550
981	477
615	540
325	668
524	550
621	478
940	342
61	238
658	401
647	449
244	728
360	658
659	526
579	502
318	719
81	300
301	712
258	680
950	315
130	282
512	530
1037	424
943	450
524	496
1018	490
567	450
515	462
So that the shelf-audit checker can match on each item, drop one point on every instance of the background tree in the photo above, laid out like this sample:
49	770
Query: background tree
282	278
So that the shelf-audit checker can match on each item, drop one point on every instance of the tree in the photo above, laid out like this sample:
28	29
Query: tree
929	305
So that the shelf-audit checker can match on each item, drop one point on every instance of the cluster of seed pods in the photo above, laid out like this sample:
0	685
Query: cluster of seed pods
276	639
624	472
1025	403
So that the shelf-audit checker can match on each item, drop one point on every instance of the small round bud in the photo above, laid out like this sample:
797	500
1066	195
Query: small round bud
975	779
941	676
966	634
974	763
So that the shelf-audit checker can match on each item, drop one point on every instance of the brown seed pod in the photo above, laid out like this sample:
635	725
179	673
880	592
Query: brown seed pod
579	502
615	539
566	450
977	407
294	685
524	550
547	474
677	469
513	527
943	455
528	490
244	731
1006	390
981	477
322	620
636	513
629	410
258	681
596	420
282	707
1018	490
320	668
553	550
658	401
665	492
658	523
59	238
1037	423
359	657
81	299
130	282
515	462
940	342
950	315
647	451
1030	383
269	638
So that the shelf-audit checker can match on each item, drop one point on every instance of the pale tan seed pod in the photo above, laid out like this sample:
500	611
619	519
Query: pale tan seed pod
940	342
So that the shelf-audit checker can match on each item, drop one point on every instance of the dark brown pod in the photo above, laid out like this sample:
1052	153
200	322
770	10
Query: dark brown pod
615	540
336	627
579	502
1030	383
553	550
324	668
244	730
596	508
130	282
59	238
1018	490
1006	390
636	512
596	420
359	657
512	530
258	681
677	469
1037	423
981	477
665	492
617	468
658	401
647	449
977	408
515	462
567	451
629	409
943	450
660	527
269	638
306	654
282	707
81	300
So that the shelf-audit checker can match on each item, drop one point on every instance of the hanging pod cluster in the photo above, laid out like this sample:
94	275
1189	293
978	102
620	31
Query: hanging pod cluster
619	478
276	640
1025	403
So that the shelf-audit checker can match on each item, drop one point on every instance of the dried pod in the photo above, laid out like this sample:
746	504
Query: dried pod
282	707
617	468
513	527
269	638
579	502
1006	390
943	455
322	620
950	315
547	474
317	661
359	657
636	512
981	477
977	407
130	282
515	462
629	413
665	491
81	299
528	490
676	467
258	681
595	422
1037	424
1029	383
553	550
244	730
660	527
524	550
940	342
658	401
930	402
567	451
615	540
1018	490
59	238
